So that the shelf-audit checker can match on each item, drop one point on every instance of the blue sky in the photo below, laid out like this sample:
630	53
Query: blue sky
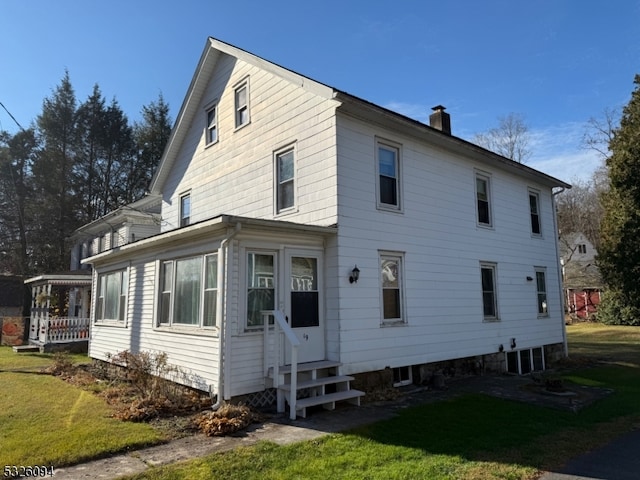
555	62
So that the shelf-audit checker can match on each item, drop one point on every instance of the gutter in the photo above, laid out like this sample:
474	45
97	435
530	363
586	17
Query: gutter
221	311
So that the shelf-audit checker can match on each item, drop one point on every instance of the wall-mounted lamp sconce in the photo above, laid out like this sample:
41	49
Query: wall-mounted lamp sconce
501	348
355	275
529	279
513	343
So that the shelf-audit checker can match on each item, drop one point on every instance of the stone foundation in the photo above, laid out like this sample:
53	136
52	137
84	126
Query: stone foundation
435	374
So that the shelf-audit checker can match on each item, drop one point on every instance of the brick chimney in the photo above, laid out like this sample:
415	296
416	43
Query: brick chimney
440	119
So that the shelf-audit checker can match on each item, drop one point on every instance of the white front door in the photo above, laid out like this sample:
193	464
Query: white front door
303	303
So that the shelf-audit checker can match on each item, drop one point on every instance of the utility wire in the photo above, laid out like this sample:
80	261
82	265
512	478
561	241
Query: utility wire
12	117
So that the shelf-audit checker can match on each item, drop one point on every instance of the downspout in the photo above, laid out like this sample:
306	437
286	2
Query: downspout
222	309
560	279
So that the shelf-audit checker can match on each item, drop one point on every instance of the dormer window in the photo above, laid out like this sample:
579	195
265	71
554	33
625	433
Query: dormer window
185	210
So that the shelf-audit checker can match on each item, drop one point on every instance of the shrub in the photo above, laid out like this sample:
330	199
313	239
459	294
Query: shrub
226	420
615	310
150	393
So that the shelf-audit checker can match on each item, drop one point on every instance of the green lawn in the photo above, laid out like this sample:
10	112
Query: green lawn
470	437
46	421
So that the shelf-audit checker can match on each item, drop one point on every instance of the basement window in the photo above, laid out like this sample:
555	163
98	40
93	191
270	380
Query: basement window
402	376
522	362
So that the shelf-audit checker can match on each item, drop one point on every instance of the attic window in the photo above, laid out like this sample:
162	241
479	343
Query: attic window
212	125
185	210
582	248
242	104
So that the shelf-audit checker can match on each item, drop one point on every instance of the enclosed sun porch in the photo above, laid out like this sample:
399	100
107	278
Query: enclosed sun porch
60	311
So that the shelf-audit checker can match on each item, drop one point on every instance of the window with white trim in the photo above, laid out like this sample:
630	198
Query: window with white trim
534	209
212	125
111	303
388	169
285	180
185	210
188	291
541	287
392	285
241	98
483	200
261	287
489	291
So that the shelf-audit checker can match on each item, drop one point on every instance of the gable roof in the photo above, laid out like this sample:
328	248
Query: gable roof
347	103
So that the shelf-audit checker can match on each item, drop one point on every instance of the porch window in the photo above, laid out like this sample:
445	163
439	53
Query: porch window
189	291
391	275
260	287
112	296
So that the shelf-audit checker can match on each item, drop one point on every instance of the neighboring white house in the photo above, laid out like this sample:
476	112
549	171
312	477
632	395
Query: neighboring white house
60	302
370	239
581	276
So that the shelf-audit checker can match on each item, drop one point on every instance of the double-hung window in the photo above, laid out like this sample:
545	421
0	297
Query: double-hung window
489	291
212	125
285	179
483	200
392	285
188	291
541	287
185	210
241	99
388	169
260	287
534	209
111	303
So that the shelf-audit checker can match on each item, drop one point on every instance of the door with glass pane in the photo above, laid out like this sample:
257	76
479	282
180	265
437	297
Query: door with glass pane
303	303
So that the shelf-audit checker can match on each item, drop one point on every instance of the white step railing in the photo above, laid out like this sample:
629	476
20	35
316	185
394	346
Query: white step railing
63	329
275	346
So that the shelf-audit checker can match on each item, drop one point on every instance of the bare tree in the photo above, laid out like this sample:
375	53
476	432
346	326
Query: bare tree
510	138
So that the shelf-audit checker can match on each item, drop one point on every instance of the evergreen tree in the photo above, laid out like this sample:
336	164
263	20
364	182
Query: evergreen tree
619	249
17	154
91	131
151	136
55	179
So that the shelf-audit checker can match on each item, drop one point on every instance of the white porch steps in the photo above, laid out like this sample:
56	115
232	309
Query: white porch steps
318	383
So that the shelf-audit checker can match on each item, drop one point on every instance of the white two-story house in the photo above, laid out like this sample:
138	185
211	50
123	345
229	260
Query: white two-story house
366	240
